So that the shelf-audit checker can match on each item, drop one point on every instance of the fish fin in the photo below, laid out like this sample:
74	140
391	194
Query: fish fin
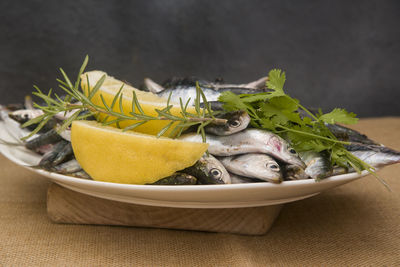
259	84
152	86
28	102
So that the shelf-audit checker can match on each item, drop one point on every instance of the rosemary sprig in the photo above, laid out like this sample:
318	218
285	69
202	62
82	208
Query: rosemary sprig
77	101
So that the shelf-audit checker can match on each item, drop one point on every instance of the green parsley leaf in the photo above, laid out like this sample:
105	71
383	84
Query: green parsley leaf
232	101
285	103
254	97
276	80
278	112
339	115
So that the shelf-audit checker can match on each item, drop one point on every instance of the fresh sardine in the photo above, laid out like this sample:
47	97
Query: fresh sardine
318	164
253	165
208	170
346	134
237	121
23	115
187	90
177	82
249	141
50	137
374	155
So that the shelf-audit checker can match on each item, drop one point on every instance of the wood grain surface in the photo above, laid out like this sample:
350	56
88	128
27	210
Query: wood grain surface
67	206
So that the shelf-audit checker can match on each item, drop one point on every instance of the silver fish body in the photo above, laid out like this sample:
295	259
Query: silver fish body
346	134
208	170
50	137
237	179
176	82
214	105
249	141
237	121
186	89
374	155
71	166
189	93
210	94
23	115
254	165
318	164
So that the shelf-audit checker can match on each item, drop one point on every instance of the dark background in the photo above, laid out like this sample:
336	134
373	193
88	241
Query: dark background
336	53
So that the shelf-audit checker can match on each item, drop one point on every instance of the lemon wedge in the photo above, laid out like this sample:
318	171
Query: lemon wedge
148	101
111	155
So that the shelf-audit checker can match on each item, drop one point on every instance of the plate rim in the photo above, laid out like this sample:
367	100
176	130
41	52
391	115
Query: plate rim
293	183
101	189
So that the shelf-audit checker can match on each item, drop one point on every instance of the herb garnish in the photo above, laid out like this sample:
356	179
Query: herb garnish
77	101
278	112
274	111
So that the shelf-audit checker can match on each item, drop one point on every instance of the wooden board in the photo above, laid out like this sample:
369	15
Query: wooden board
67	206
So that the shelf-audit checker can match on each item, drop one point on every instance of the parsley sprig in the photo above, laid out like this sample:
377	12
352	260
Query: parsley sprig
277	112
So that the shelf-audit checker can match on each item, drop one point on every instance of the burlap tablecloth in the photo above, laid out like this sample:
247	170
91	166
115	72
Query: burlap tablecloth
355	224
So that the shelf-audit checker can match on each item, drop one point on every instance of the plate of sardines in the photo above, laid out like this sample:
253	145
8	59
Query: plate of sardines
187	142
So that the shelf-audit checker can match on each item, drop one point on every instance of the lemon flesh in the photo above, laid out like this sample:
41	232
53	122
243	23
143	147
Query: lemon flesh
108	154
148	101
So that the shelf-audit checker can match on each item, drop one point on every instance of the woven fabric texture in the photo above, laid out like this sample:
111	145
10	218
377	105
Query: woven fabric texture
357	224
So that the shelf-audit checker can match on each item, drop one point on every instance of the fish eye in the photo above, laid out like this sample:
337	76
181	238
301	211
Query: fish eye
273	166
216	173
234	123
26	116
291	150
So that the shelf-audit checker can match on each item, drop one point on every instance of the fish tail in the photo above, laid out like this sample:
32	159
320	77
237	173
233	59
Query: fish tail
7	143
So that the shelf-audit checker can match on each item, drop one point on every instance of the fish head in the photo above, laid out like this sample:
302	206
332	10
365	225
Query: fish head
284	151
22	115
215	171
272	170
255	165
292	157
267	169
237	121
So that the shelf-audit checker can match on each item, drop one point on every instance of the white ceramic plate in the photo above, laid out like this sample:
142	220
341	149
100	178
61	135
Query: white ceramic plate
184	196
